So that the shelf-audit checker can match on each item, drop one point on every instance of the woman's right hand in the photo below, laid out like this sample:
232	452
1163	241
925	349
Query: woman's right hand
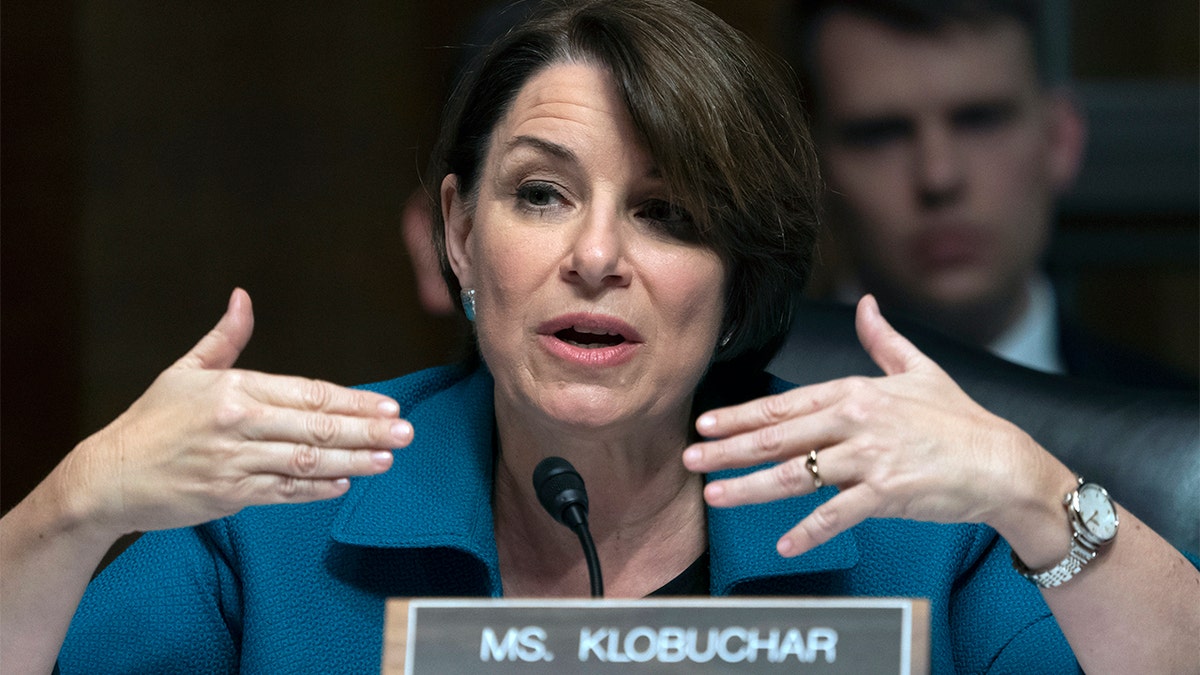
206	440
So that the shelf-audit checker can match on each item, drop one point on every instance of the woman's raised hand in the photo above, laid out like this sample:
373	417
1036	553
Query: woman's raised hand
206	440
910	444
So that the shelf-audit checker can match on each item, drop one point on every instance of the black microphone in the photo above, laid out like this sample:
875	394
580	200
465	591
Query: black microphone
560	490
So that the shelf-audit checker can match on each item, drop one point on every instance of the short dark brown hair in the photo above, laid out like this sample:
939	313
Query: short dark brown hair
804	19
719	116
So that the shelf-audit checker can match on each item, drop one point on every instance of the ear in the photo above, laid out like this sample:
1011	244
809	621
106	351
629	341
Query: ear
458	221
417	228
1066	137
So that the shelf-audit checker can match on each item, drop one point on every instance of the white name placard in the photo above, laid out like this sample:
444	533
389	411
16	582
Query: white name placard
668	635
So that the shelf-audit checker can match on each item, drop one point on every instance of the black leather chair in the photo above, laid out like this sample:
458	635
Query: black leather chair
1141	444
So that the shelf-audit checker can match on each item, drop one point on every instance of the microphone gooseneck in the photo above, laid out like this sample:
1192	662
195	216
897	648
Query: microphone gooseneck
560	489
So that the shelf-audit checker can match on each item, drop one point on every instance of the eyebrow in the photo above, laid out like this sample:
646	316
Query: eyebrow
548	147
868	125
559	151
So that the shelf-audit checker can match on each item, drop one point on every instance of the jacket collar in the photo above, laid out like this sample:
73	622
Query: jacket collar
742	541
438	492
438	495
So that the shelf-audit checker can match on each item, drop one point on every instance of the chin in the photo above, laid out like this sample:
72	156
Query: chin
958	290
584	406
594	407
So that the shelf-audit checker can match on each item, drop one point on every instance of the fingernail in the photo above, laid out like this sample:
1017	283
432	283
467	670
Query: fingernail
692	456
389	408
706	423
381	458
402	431
785	547
714	490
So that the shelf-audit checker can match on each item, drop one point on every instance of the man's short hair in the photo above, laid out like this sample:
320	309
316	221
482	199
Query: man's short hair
913	16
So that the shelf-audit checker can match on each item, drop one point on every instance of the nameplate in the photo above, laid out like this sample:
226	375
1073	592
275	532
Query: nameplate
670	635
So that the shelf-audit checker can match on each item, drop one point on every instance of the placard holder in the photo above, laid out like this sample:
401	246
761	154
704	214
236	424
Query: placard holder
656	635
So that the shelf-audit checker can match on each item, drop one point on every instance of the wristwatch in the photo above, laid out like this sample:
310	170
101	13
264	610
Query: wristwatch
1094	522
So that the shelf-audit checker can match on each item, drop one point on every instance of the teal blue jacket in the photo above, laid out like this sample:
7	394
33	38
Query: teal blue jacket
301	588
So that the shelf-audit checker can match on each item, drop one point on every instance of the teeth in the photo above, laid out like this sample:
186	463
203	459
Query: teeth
583	337
588	331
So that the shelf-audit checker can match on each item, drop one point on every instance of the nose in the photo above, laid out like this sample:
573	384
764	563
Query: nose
938	168
597	257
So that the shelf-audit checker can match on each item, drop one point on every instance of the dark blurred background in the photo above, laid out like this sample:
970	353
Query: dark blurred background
157	154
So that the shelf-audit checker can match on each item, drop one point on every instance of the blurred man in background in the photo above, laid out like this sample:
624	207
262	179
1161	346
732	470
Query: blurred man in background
945	149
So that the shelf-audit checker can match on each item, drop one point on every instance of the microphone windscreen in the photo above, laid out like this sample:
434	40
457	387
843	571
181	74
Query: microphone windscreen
559	486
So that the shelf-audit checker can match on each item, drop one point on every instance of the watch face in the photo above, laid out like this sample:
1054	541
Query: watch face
1096	512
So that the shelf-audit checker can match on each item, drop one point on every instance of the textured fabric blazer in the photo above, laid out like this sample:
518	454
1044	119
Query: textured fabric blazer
301	588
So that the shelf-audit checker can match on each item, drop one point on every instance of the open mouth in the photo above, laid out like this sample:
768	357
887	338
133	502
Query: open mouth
589	340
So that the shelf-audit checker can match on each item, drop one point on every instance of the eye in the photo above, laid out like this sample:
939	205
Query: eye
984	117
871	134
538	195
671	219
666	212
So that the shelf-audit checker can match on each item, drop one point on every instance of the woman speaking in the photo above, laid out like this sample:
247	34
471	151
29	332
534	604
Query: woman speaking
626	205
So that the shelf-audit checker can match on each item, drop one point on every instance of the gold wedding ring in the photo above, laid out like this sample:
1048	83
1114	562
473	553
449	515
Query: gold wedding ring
811	465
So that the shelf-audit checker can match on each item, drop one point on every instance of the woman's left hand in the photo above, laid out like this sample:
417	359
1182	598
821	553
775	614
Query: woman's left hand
910	444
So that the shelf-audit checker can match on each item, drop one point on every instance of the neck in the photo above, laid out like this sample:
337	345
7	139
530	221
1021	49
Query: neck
978	324
646	512
979	321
